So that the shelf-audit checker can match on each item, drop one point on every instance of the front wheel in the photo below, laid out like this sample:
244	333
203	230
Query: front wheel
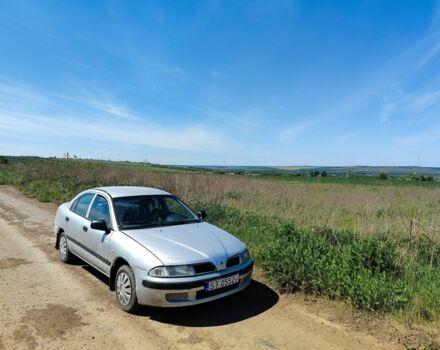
63	250
126	289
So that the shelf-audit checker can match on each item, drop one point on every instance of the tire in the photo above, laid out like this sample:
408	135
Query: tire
63	250
126	289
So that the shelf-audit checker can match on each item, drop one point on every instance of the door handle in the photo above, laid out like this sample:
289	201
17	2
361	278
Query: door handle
66	218
85	228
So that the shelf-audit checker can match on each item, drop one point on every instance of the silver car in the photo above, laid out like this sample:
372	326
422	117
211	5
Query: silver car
152	246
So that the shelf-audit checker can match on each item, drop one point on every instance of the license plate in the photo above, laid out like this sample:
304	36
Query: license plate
222	282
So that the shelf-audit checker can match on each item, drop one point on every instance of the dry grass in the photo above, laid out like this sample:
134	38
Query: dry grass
364	209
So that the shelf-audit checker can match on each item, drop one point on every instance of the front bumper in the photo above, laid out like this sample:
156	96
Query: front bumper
175	292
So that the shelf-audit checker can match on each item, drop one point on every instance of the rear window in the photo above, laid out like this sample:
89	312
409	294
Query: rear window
82	204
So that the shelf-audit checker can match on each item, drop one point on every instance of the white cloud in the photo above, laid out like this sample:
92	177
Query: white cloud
11	92
410	104
431	39
92	117
430	55
190	138
420	138
103	105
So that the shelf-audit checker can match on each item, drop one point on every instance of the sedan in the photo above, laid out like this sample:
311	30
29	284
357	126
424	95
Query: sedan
153	248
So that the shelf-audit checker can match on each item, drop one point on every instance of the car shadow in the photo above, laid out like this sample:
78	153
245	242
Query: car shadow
254	300
84	265
103	278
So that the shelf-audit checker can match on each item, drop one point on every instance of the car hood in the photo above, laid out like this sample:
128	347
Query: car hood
189	243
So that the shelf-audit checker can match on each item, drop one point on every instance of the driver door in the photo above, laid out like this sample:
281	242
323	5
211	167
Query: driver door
97	240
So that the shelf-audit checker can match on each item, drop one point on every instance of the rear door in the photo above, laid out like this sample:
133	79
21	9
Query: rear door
99	241
78	224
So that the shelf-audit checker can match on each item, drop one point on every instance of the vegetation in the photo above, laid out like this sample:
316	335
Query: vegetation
363	171
350	179
375	245
383	176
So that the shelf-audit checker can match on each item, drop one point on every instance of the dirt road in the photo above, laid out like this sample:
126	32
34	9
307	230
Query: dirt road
49	305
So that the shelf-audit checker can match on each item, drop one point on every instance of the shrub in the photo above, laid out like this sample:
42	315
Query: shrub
383	176
365	272
4	160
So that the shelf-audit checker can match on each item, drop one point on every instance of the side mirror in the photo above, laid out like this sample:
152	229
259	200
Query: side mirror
201	214
100	225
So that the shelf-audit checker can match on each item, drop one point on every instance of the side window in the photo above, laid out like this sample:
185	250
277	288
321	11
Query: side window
83	204
100	210
73	206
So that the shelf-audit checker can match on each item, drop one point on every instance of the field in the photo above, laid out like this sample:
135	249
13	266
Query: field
364	171
374	243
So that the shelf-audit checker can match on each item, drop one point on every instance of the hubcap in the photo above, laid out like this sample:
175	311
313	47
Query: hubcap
123	288
63	247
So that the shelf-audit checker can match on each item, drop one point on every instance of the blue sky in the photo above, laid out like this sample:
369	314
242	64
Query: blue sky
222	82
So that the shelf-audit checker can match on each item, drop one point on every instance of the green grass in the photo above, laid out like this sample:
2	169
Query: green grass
366	271
391	272
91	163
353	180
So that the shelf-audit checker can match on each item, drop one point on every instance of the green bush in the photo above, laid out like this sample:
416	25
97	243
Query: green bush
366	271
4	160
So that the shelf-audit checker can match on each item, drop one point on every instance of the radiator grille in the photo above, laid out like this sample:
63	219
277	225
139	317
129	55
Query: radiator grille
233	262
204	268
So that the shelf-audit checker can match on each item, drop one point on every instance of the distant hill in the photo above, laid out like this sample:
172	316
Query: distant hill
369	170
361	170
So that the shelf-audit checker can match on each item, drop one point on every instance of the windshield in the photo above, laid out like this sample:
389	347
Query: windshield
152	211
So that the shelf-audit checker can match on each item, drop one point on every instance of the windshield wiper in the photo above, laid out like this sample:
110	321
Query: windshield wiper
141	224
182	222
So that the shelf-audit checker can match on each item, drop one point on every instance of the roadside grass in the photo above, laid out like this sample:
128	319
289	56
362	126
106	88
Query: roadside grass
378	266
369	272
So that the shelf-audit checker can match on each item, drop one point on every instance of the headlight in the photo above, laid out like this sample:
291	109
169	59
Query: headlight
245	256
172	271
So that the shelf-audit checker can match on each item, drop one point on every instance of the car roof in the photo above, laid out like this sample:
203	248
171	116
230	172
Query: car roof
128	191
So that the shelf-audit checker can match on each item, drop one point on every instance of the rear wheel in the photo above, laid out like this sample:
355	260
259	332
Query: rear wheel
126	289
63	250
